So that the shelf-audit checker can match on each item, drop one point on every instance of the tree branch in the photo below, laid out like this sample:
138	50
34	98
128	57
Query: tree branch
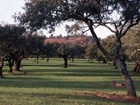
104	24
132	23
90	24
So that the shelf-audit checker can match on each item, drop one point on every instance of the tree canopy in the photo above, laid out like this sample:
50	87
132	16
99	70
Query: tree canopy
46	14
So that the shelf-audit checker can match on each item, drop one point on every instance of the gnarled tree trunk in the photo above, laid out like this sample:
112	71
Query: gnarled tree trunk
65	57
11	62
18	63
136	67
127	78
121	64
18	59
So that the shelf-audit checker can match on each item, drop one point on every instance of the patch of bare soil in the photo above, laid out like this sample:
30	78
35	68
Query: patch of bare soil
117	97
117	84
112	96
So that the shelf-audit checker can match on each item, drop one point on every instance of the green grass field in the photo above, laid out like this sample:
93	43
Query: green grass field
47	83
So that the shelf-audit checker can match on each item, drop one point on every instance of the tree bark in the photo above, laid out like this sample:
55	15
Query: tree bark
115	65
65	57
10	61
48	59
127	78
121	64
36	59
17	65
136	66
18	61
65	61
1	66
72	59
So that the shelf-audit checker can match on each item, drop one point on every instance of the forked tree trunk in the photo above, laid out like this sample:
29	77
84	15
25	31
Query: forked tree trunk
18	63
127	78
121	64
65	57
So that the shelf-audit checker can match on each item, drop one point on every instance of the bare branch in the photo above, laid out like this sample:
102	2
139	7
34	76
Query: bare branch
109	28
85	31
132	23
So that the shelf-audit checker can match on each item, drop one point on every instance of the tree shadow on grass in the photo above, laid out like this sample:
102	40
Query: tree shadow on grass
81	98
71	72
36	82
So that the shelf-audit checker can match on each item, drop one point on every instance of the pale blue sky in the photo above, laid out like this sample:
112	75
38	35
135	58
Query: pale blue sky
9	7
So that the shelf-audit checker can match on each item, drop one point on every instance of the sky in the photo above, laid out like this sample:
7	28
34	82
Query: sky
10	7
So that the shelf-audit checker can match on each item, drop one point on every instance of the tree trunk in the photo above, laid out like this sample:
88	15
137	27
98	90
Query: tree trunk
104	60
17	65
36	59
65	61
10	61
18	62
1	71
136	66
127	78
10	68
121	64
88	58
1	66
65	57
115	65
48	59
72	59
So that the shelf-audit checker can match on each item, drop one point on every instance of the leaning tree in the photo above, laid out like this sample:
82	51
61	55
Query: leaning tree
116	15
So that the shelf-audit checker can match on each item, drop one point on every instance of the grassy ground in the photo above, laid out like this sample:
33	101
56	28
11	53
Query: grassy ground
50	84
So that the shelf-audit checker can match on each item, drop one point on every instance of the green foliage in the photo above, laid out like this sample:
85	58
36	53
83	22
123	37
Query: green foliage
11	38
34	44
49	49
131	43
63	49
109	44
47	14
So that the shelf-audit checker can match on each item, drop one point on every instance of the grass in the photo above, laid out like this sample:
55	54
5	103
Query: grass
47	83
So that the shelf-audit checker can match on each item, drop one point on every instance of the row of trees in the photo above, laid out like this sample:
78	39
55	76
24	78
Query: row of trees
14	42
